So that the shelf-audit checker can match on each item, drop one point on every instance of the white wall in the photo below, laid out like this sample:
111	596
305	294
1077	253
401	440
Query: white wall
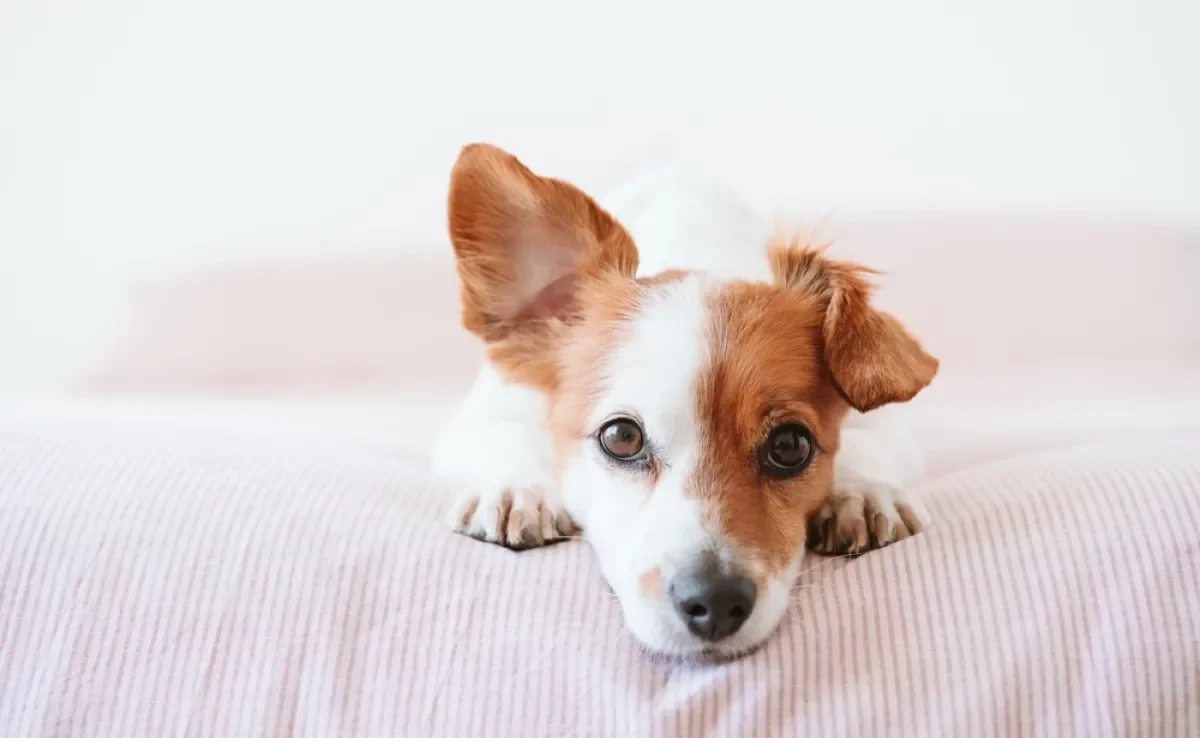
135	134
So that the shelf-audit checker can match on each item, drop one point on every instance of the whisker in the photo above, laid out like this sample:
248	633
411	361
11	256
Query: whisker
828	559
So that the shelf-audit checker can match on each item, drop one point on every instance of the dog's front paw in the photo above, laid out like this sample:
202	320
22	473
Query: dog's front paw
513	517
863	515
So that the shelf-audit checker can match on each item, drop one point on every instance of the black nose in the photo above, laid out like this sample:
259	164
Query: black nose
713	604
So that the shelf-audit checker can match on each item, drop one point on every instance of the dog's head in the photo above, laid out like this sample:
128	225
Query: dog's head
695	420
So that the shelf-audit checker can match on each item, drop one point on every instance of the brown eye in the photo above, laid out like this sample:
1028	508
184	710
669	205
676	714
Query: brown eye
622	439
787	451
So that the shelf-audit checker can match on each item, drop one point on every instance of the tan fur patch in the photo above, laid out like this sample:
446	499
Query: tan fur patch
521	242
651	584
870	357
530	356
766	369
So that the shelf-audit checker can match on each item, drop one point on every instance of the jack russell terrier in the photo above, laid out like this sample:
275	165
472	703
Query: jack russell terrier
699	398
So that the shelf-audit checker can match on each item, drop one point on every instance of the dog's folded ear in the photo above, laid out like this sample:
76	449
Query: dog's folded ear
870	357
522	243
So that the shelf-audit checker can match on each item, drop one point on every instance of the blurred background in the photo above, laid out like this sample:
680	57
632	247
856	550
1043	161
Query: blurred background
250	195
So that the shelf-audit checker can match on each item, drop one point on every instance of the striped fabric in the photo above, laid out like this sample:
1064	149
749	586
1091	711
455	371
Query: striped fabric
187	584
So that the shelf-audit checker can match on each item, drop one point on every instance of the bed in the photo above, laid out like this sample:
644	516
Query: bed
181	556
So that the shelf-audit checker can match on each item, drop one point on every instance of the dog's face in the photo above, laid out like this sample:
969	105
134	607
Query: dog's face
695	420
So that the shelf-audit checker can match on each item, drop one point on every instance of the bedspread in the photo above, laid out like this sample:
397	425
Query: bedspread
191	583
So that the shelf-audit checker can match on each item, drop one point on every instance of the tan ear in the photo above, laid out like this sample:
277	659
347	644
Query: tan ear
870	357
523	242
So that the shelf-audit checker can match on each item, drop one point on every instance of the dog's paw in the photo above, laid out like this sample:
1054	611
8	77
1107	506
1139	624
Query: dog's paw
864	515
516	518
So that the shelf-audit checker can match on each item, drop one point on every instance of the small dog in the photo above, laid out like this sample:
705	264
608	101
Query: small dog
698	398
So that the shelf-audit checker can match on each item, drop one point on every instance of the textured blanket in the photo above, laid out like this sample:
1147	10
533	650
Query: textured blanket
190	583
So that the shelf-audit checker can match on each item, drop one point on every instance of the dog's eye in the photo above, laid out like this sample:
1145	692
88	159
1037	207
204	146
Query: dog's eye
622	439
787	451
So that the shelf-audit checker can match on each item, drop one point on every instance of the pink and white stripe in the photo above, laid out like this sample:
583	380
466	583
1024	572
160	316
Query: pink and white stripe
191	584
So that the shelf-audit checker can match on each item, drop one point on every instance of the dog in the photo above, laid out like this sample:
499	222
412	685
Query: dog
700	398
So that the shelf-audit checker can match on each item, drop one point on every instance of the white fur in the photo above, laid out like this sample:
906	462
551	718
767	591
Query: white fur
678	221
497	444
649	377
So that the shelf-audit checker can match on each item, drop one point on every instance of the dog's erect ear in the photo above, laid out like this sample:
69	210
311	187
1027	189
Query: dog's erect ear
870	357
523	242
